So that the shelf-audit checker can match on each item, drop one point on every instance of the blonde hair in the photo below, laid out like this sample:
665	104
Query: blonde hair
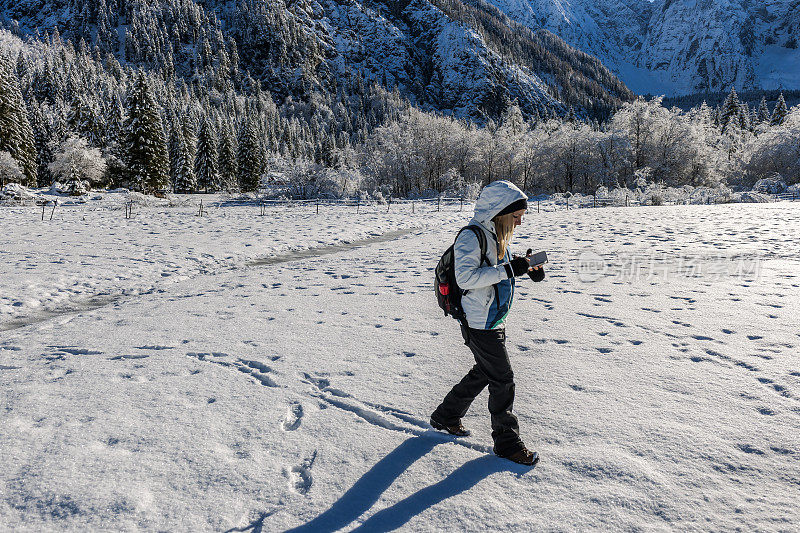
504	225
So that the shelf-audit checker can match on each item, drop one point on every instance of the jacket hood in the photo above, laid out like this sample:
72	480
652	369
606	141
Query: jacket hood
493	198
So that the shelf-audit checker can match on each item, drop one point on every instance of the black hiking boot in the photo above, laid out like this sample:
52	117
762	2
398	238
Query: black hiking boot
523	457
458	429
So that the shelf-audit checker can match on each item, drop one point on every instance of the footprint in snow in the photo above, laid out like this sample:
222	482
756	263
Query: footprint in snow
747	448
300	479
294	417
782	451
155	347
257	370
125	356
70	350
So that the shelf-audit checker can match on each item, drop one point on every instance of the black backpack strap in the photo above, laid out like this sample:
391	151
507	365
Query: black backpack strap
481	241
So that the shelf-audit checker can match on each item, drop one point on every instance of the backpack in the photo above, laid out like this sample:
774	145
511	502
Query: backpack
448	293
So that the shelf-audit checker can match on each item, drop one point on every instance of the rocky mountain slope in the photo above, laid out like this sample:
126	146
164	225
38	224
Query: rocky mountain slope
677	47
443	55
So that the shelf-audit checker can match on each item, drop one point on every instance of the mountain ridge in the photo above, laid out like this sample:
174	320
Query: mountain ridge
443	55
678	47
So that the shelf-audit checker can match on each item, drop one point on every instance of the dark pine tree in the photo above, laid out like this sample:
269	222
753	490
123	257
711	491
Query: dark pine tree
250	158
205	162
744	117
145	146
227	159
763	112
41	139
730	109
116	171
181	161
780	112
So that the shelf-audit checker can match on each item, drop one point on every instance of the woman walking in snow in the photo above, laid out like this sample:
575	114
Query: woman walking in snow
488	284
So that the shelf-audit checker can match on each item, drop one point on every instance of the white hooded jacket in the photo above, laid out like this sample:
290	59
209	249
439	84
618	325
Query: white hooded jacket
488	289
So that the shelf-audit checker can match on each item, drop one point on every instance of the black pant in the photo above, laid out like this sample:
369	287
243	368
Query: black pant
492	368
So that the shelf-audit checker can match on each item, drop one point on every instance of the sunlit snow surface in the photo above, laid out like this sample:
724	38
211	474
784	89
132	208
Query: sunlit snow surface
204	390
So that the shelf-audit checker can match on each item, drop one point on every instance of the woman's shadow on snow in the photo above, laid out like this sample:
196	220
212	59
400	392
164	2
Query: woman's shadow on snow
366	491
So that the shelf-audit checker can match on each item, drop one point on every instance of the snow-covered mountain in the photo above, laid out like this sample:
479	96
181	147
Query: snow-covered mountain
677	47
442	54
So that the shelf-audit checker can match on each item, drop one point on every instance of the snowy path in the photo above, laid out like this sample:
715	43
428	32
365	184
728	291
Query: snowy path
296	394
90	252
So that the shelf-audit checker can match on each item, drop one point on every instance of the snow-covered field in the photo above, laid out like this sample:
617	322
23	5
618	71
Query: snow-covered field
245	373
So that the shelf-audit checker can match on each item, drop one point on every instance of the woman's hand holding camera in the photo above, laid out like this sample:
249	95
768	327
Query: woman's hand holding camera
519	266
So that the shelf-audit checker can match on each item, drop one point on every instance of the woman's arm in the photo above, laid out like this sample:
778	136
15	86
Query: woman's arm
469	272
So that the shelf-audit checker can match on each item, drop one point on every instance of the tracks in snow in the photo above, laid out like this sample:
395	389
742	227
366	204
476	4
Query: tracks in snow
329	249
99	301
255	369
377	414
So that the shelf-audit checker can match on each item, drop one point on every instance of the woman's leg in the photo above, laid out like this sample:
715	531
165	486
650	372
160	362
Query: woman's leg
489	347
457	402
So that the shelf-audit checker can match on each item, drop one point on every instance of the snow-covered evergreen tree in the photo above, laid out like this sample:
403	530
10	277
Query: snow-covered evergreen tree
227	159
744	117
780	112
249	158
182	167
145	147
764	115
41	140
729	110
205	162
115	143
16	135
84	119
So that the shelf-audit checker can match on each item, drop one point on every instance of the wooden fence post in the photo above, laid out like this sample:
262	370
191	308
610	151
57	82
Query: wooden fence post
318	206
439	204
358	204
55	203
537	206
